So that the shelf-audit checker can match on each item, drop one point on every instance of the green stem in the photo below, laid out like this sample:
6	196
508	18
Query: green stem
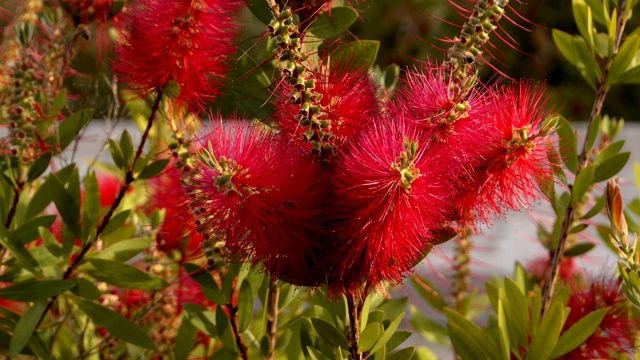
583	161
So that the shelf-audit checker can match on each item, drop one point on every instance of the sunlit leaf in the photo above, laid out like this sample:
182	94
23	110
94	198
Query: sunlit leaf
334	22
579	332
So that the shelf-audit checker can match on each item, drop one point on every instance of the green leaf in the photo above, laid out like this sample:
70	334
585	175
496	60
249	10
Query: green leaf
19	252
245	306
124	275
58	103
115	222
116	324
582	16
583	182
35	290
185	339
70	127
593	132
117	155
329	333
503	329
28	231
623	58
609	151
91	200
518	307
66	205
579	249
86	289
260	10
600	15
568	145
595	210
404	354
610	166
428	292
357	55
25	327
249	89
369	336
201	318
563	42
388	333
474	339
153	169
223	326
207	283
465	346
579	332
126	146
545	338
38	167
578	228
50	242
331	23
397	339
124	250
315	354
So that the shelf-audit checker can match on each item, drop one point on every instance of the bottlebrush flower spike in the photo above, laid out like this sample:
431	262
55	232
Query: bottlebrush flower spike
391	196
258	193
348	98
519	163
178	230
430	97
186	41
616	333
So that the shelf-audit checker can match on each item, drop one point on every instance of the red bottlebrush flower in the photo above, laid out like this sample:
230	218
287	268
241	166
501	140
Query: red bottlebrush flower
617	331
110	186
178	231
186	41
393	195
259	194
348	98
518	164
455	130
430	98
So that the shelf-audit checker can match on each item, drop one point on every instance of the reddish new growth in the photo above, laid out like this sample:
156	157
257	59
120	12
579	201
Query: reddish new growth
255	191
348	99
617	332
178	230
186	41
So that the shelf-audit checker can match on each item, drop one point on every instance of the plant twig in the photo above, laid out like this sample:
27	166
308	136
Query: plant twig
272	317
233	319
354	305
129	179
583	161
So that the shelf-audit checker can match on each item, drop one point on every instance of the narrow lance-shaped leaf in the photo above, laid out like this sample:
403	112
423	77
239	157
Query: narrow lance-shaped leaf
116	324
25	327
35	290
